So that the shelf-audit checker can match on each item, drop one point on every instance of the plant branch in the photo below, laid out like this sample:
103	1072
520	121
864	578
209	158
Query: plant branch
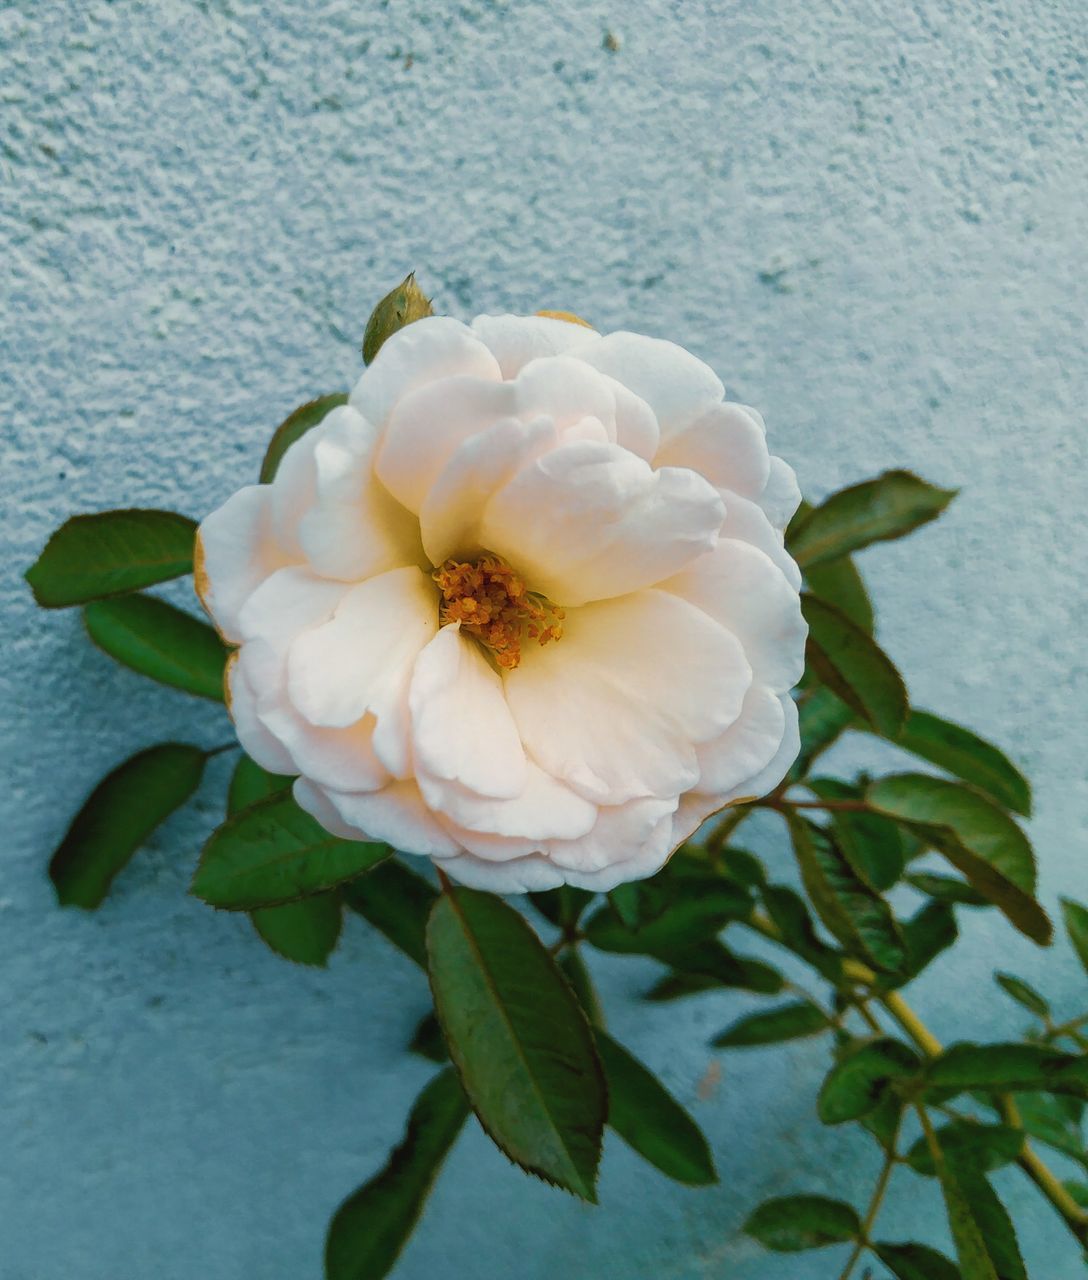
869	1220
832	806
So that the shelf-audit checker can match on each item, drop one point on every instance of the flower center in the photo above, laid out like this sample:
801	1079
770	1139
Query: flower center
493	604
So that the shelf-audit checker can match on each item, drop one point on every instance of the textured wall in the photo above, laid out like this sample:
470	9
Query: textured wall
869	217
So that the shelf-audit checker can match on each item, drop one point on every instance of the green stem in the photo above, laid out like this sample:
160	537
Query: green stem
832	806
869	1221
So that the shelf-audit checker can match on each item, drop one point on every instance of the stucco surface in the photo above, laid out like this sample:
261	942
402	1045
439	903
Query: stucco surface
870	218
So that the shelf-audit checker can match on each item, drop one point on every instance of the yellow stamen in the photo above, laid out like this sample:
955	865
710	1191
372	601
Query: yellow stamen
493	604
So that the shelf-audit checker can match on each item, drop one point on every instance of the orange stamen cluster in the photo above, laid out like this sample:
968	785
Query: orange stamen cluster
492	603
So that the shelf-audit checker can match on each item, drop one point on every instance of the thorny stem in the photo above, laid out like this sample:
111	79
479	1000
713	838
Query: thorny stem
1075	1218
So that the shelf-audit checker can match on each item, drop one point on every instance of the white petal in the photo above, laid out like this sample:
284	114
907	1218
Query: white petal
343	759
615	706
515	340
288	602
646	860
590	521
694	809
428	425
769	778
436	347
741	589
619	831
361	660
782	496
676	385
317	804
636	422
397	815
726	445
748	523
544	810
450	517
256	740
566	390
462	729
292	491
516	875
237	550
353	529
747	746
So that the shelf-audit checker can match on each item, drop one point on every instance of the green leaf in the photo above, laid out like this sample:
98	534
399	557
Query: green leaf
521	1042
294	428
1078	1192
884	1121
1075	918
371	1227
1006	1067
823	717
1055	1120
250	783
948	889
839	583
890	506
853	666
564	906
650	1120
986	1146
871	843
573	967
118	816
1023	993
858	917
157	640
979	839
927	933
274	852
428	1040
710	965
916	1262
859	1080
971	1251
111	553
994	1224
773	1026
793	1223
791	918
397	903
400	306
960	752
696	908
306	931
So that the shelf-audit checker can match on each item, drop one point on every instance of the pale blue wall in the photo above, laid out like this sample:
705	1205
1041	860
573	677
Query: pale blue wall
869	217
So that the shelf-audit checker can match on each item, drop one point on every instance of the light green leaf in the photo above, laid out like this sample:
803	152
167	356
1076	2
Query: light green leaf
1023	993
521	1043
860	1079
1075	918
960	752
851	664
397	903
371	1227
401	306
111	553
791	1224
773	1026
294	428
916	1262
118	816
306	931
986	1146
157	640
890	506
274	852
650	1120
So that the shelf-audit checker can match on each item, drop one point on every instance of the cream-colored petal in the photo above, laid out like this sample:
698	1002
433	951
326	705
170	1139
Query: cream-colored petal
726	445
239	550
782	496
746	747
747	522
768	778
530	874
515	340
397	815
619	834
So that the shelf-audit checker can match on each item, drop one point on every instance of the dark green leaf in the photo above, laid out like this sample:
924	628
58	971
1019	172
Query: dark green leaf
890	506
793	1223
705	966
1075	918
743	867
1007	1067
948	889
871	843
1023	993
979	839
884	1121
563	907
1055	1120
428	1040
396	902
1078	1192
521	1042
626	900
839	583
294	428
916	1262
995	1225
959	751
274	852
858	917
573	966
111	553
250	783
927	933
157	640
823	718
696	909
306	931
650	1120
118	816
986	1146
371	1227
791	918
857	1082
851	664
772	1026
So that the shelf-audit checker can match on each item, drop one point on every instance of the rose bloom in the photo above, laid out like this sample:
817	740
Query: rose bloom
521	606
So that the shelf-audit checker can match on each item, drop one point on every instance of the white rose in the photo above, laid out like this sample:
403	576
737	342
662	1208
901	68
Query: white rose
522	606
